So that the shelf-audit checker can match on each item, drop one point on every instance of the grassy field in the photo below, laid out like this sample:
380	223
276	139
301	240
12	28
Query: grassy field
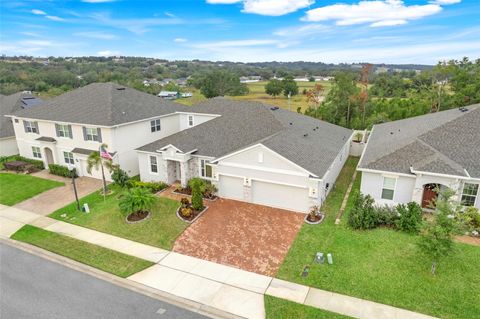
383	265
102	258
257	93
160	230
15	188
276	308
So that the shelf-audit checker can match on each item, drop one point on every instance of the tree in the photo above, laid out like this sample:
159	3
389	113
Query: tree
198	187
290	87
311	79
315	95
221	83
274	87
436	236
94	160
137	199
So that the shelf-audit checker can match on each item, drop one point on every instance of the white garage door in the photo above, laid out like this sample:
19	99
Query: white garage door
230	187
281	196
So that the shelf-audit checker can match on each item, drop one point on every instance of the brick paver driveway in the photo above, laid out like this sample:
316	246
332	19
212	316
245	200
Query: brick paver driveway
53	199
248	236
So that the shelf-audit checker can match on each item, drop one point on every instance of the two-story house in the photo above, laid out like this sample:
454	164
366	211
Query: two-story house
67	128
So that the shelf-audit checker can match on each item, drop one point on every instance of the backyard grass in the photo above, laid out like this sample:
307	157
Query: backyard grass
383	265
276	308
15	188
160	230
102	258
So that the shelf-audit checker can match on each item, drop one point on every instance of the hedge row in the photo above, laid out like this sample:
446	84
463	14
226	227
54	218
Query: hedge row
61	170
36	163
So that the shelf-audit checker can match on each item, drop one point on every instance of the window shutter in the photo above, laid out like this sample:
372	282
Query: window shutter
36	126
70	131
99	133
25	126
57	129
84	129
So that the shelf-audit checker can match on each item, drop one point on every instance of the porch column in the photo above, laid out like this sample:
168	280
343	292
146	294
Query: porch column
183	173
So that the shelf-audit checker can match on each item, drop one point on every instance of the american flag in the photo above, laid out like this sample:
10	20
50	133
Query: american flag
104	154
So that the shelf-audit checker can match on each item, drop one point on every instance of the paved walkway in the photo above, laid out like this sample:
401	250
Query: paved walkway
243	235
226	288
53	199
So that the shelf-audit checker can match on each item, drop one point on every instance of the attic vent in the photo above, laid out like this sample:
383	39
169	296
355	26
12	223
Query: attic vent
274	108
121	89
291	123
391	133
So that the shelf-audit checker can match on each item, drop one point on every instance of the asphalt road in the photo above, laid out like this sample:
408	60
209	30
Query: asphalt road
33	287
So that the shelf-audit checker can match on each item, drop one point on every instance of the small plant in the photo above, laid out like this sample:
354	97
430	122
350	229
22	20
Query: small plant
210	190
136	200
186	212
119	176
358	137
409	217
469	220
185	202
198	187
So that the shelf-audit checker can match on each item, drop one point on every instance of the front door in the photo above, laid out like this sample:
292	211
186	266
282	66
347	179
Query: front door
429	195
177	171
48	156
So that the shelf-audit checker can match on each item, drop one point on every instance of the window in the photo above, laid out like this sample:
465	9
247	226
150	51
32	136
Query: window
31	127
63	130
388	188
91	134
469	194
190	120
153	164
68	157
155	125
205	169
36	152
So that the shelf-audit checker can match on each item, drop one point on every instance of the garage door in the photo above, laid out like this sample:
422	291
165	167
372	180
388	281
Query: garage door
281	196
230	187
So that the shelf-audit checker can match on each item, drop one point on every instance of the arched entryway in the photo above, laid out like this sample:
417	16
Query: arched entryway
48	156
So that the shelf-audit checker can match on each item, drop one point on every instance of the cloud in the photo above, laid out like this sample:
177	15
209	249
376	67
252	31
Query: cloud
55	18
107	53
445	2
96	35
377	13
268	7
303	30
38	12
235	43
97	1
180	40
169	14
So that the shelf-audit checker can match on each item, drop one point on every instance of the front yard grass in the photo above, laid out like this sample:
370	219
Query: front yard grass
160	230
383	265
102	258
15	188
276	308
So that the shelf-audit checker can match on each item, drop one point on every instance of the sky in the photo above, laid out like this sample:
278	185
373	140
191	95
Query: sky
330	31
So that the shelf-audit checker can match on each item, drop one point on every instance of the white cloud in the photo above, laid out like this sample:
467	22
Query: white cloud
445	2
180	40
55	18
38	12
169	14
377	13
96	35
235	43
268	7
303	30
107	53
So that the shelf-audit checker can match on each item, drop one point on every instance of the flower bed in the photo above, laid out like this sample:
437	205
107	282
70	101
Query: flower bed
187	213
137	217
314	216
187	191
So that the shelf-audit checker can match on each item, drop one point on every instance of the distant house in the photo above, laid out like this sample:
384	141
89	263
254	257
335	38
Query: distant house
410	159
8	105
250	79
169	95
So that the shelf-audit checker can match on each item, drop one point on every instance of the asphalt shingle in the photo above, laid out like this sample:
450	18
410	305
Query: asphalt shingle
10	104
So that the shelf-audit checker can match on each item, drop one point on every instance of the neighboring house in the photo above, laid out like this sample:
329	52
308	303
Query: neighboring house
67	128
10	104
408	160
251	152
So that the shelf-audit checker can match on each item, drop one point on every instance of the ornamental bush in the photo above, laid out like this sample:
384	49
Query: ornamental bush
198	187
61	170
120	177
153	186
409	217
363	215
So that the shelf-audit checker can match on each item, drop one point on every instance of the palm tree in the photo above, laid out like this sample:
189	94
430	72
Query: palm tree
95	160
137	199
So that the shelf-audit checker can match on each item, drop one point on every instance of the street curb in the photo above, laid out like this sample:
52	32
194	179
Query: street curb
122	282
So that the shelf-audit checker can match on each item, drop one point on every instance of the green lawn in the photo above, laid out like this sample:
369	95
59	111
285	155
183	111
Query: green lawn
384	265
15	188
276	308
160	230
102	258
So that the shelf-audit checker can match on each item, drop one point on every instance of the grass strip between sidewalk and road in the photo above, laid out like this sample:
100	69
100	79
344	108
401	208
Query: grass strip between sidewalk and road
98	257
276	308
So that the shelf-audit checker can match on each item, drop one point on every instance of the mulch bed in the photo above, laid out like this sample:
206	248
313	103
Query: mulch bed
188	192
195	214
137	216
316	219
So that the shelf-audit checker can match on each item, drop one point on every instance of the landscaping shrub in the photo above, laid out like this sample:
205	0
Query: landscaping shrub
363	215
387	216
36	163
409	217
469	220
153	186
135	200
186	212
61	170
119	176
198	187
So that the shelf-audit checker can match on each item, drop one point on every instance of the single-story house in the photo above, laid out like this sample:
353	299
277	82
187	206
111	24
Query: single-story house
10	104
410	159
252	152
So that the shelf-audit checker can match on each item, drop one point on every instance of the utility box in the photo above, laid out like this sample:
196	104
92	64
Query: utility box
319	258
86	209
330	259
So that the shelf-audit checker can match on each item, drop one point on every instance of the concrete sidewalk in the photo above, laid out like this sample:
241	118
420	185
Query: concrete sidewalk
229	289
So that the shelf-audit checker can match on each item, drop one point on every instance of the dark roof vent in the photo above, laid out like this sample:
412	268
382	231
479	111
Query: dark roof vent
305	135
274	108
291	123
391	133
120	89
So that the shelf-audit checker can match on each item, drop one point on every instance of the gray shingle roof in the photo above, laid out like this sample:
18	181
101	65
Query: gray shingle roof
446	142
106	104
46	139
244	123
10	104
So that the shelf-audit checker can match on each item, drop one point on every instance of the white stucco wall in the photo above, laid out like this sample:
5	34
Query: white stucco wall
8	146
331	175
